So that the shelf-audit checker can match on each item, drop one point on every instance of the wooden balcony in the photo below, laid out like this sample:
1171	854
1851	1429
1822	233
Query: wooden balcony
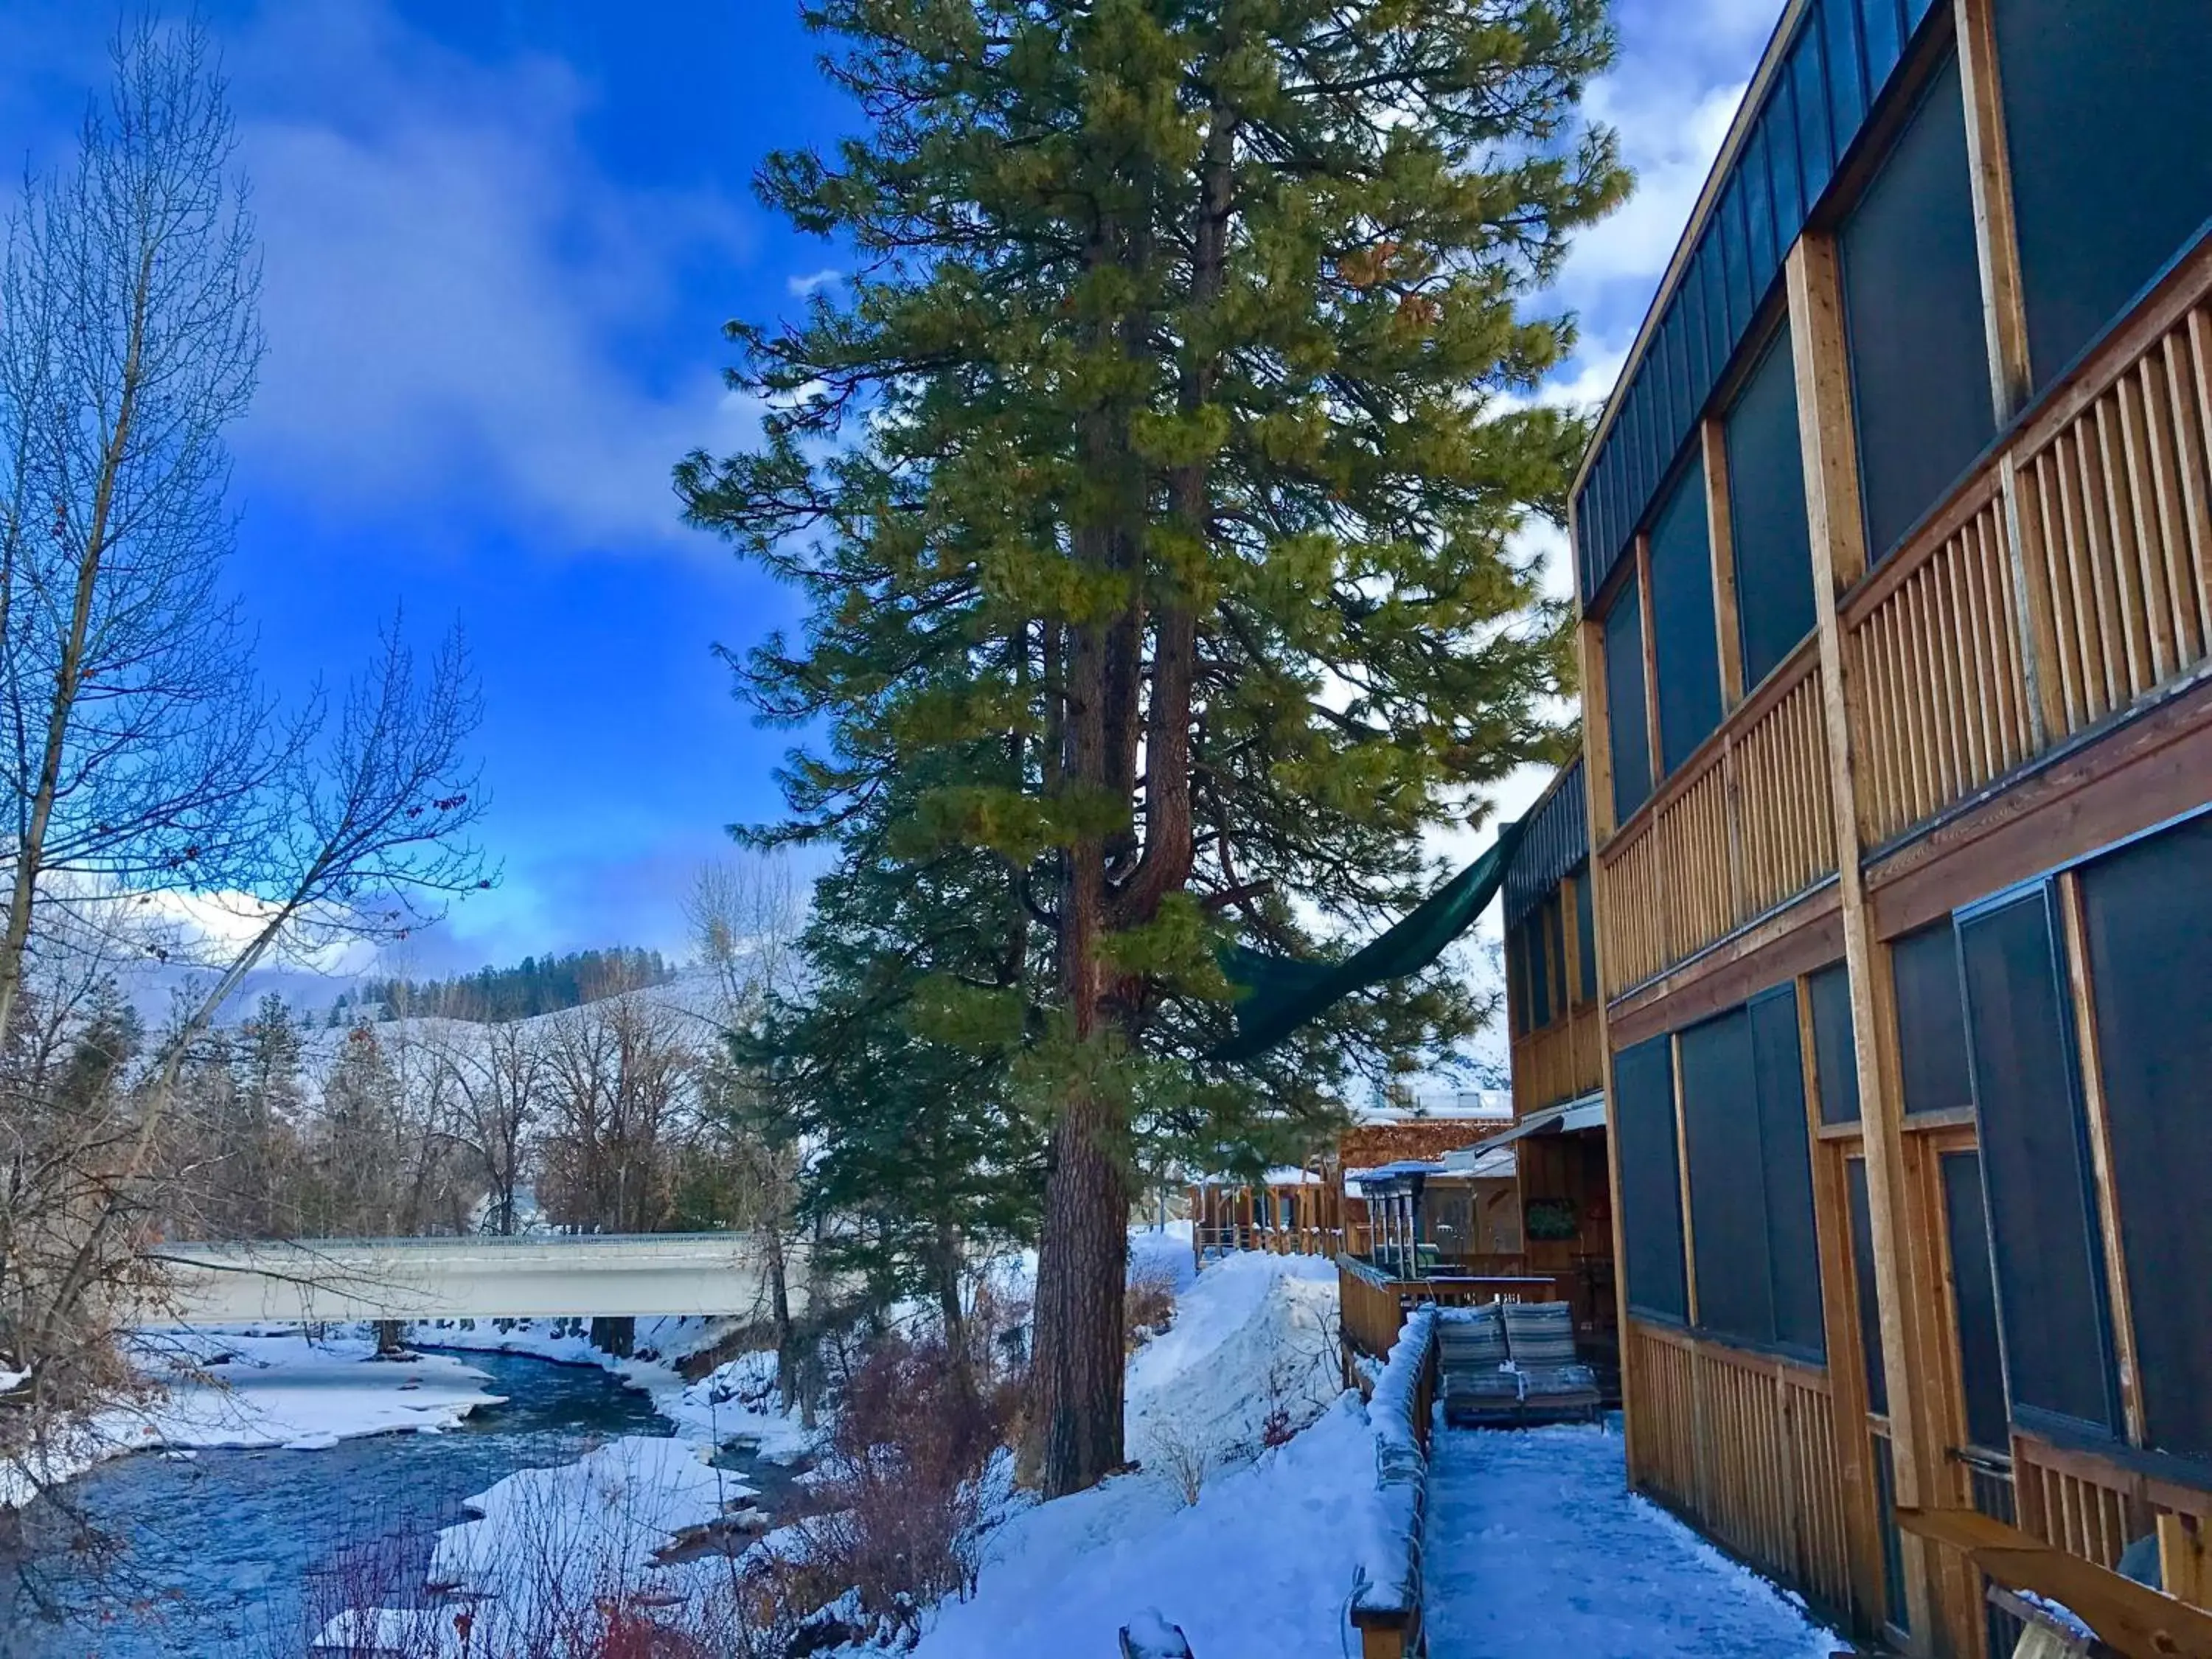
1746	824
1565	1060
2063	584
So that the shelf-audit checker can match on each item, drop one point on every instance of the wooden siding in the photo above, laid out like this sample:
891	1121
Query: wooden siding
1563	1061
1745	1445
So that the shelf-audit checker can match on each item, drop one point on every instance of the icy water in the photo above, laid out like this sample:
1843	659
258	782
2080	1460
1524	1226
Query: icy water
236	1553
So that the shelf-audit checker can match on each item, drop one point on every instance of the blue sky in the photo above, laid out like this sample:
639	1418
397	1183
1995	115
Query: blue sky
502	237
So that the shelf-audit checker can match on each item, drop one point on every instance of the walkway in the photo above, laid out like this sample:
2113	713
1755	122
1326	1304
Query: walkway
1535	1550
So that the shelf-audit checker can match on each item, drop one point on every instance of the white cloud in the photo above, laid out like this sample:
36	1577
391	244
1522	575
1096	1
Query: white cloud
449	277
812	279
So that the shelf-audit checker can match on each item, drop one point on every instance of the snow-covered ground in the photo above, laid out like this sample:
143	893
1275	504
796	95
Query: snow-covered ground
1536	1548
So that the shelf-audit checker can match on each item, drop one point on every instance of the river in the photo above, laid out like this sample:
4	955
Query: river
236	1551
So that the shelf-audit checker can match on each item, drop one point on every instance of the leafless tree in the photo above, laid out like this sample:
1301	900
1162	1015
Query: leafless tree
501	1074
158	806
619	1102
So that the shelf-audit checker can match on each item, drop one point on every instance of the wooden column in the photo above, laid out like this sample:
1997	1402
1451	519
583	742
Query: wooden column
1832	1211
1597	787
1721	536
1838	537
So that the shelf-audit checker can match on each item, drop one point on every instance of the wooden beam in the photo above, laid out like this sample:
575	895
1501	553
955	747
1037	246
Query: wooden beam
2185	1558
1597	735
1832	497
2080	981
1996	241
1597	786
1658	769
2132	1617
1825	433
1846	1368
1720	526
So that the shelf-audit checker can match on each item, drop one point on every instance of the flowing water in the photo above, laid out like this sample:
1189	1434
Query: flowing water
234	1551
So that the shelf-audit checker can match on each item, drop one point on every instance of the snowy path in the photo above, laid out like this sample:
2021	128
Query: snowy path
1536	1549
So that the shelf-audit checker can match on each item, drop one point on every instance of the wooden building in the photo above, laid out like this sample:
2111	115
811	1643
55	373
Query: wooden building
1895	563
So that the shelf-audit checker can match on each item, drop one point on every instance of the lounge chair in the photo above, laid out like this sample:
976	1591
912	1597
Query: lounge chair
1553	1383
1513	1363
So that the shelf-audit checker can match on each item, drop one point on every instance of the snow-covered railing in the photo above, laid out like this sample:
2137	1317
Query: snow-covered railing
1386	1589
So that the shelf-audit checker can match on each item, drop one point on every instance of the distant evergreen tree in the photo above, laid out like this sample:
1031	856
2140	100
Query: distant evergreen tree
1169	437
536	985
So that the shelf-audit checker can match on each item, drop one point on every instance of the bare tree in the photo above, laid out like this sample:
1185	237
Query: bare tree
501	1074
619	1106
134	743
139	757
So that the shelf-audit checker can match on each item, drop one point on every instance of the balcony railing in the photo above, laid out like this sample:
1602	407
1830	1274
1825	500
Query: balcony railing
1968	658
1558	1063
1745	824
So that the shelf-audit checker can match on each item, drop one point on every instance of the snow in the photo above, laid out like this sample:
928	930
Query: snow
1535	1547
608	1514
1388	1539
1262	1564
1257	1568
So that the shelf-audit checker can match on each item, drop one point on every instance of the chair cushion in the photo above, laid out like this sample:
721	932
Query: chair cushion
1481	1385
1541	1332
1474	1338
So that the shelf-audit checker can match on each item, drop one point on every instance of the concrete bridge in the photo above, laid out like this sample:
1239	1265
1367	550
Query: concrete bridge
533	1276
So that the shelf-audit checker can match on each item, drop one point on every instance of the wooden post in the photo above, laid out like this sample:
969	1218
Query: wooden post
1996	240
1829	444
1721	535
2184	1559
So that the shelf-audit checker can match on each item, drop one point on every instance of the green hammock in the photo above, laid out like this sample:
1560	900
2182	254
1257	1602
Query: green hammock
1280	993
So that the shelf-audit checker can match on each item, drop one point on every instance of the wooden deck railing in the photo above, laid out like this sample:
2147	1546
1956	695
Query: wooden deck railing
1558	1063
1215	1239
1746	1444
1968	664
1746	823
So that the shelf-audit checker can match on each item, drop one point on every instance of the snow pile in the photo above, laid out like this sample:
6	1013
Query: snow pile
1259	1564
1386	1575
737	1401
608	1515
1549	1556
1251	1357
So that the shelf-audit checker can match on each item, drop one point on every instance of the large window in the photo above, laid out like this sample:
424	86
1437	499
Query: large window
2035	1166
2149	913
1912	302
1863	1274
1650	1181
2108	115
1624	700
1751	1180
1585	937
1685	642
1767	526
1931	1021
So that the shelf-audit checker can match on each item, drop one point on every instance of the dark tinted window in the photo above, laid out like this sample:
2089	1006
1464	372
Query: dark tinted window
1539	971
1793	1250
1751	1177
1912	301
1624	700
1931	1029
1974	1303
1835	1058
1728	1204
1877	1379
1650	1180
2097	219
2149	915
1773	541
2035	1169
1687	648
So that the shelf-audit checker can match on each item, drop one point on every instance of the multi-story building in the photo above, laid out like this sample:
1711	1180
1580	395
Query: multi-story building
1895	559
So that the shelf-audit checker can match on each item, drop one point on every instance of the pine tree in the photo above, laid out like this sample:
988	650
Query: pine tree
1172	435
